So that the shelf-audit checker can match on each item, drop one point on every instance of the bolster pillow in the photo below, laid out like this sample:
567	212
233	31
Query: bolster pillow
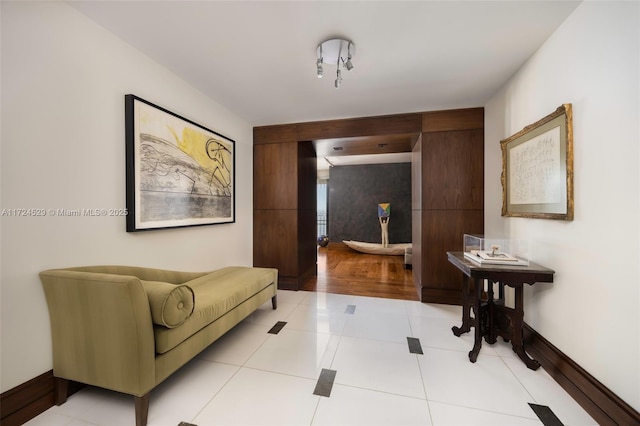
170	304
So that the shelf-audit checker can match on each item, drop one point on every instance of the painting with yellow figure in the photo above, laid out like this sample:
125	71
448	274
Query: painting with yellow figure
178	172
213	154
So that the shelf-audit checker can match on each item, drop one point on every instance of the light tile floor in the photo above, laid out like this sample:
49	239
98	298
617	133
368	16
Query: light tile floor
251	377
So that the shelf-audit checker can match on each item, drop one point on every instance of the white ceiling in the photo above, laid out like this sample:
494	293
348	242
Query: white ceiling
257	58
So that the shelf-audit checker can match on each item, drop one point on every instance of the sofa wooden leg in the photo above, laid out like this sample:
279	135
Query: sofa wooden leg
274	302
142	409
62	390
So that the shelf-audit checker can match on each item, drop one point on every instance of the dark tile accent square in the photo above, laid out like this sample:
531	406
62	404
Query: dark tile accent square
546	416
351	309
414	345
276	328
325	382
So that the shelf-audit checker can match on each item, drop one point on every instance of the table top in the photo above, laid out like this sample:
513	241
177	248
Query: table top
526	274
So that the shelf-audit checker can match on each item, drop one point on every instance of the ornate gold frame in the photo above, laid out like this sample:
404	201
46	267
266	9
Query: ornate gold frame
537	168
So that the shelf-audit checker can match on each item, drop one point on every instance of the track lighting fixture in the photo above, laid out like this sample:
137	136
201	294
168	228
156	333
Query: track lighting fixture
338	52
319	64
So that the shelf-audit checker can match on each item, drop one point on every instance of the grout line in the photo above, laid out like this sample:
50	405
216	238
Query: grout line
518	378
382	392
483	410
315	411
216	394
424	388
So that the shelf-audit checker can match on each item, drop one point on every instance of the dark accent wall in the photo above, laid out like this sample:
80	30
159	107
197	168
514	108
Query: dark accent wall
354	195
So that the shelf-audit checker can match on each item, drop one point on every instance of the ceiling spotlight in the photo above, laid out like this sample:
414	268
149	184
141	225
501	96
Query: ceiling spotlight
348	65
338	79
319	70
333	51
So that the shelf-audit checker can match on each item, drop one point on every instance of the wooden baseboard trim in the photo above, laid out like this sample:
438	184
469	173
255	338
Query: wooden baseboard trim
597	400
27	400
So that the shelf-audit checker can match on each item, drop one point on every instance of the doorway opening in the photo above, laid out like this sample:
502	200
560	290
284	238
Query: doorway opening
341	269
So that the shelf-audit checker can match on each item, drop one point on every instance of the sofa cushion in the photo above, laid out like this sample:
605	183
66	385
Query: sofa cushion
170	304
216	294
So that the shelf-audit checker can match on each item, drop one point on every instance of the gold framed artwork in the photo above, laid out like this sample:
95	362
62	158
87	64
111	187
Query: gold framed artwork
179	173
537	168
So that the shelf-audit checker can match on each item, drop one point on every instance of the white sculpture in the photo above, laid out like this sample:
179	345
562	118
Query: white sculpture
384	215
384	224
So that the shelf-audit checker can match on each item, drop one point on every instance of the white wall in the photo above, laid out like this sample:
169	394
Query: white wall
590	312
63	84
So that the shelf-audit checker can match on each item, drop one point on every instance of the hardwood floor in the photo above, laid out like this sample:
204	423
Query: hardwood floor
346	271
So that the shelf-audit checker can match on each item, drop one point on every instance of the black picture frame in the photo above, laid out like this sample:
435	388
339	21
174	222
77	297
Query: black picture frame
178	172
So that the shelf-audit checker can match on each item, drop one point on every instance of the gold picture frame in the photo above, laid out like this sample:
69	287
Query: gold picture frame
537	168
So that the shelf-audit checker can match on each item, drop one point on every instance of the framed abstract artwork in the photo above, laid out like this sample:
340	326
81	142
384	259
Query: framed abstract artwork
537	168
178	172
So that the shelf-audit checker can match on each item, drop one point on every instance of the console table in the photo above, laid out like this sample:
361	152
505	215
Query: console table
491	318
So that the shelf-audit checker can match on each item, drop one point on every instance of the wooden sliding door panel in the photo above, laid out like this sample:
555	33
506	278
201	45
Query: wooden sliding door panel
453	170
416	213
307	214
275	176
416	238
275	242
307	244
416	175
307	176
442	231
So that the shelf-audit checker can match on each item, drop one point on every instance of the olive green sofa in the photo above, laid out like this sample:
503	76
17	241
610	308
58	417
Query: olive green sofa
128	328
